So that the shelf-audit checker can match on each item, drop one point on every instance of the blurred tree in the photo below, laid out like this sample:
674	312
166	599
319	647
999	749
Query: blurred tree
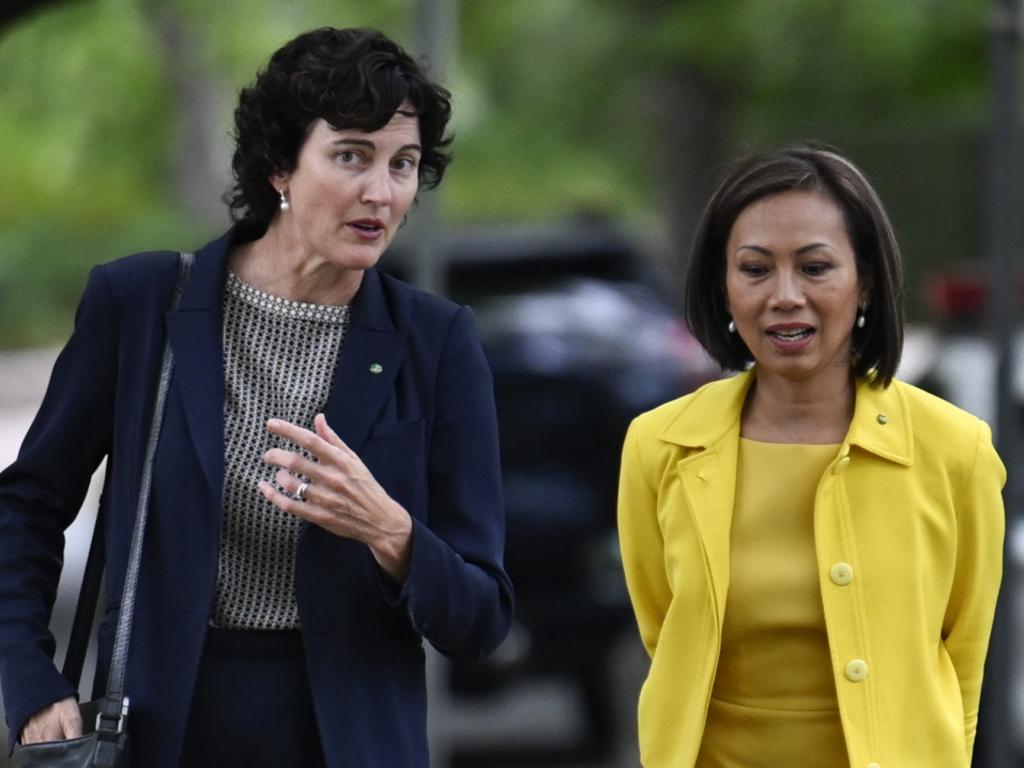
115	134
13	10
117	114
901	87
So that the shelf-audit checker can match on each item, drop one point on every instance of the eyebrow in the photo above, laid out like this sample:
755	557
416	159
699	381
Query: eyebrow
799	251
369	144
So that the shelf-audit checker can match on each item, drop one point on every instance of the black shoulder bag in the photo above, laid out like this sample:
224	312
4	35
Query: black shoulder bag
104	743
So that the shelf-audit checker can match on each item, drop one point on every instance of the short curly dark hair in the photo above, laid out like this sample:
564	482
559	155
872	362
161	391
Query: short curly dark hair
352	78
878	346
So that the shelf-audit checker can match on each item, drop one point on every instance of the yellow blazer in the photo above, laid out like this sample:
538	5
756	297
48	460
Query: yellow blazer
908	528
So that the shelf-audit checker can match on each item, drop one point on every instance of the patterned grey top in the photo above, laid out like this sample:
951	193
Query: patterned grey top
279	358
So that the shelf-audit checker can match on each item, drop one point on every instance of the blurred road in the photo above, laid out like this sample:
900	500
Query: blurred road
534	725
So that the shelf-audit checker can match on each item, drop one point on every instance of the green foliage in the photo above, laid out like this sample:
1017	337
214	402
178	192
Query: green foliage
547	119
561	106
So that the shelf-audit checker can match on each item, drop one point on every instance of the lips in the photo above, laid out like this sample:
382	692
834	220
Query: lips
367	229
367	225
795	334
790	337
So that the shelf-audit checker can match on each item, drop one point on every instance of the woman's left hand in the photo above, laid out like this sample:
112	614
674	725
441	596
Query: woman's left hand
341	496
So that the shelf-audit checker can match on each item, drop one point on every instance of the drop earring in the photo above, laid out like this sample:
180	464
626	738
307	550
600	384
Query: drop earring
285	205
861	320
732	326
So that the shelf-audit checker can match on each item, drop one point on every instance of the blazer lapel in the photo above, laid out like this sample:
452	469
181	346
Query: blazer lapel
367	365
710	425
709	482
194	331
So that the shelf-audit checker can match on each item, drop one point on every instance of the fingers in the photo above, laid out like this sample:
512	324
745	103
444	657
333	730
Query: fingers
324	493
326	432
298	464
304	438
304	509
335	462
71	719
60	720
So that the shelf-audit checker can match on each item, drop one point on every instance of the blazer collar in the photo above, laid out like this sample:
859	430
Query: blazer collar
205	289
368	363
194	332
881	421
712	412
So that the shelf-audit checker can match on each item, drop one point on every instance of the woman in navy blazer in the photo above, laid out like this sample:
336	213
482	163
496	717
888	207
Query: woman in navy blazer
395	482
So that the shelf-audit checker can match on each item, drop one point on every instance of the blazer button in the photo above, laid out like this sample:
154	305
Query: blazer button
841	574
874	765
856	670
841	465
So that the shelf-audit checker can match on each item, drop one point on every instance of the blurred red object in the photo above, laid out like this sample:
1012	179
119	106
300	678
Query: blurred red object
960	296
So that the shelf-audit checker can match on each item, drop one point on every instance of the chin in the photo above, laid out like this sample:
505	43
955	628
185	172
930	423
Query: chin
359	259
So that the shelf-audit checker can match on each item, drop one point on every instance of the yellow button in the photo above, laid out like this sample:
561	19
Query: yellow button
874	765
841	465
841	574
856	670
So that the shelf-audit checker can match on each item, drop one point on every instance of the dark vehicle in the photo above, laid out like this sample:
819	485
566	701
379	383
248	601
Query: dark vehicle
582	332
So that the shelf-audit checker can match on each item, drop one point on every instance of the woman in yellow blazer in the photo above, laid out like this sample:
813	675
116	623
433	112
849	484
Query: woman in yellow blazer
812	548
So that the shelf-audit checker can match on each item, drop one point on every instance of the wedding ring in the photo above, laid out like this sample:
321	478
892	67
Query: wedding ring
300	493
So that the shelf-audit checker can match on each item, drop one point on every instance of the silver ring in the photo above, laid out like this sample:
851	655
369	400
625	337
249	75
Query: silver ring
300	492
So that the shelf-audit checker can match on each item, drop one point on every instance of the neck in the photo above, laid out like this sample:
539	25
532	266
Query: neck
815	411
279	265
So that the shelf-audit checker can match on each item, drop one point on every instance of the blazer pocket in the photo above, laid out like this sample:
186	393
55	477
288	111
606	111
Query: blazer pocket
396	454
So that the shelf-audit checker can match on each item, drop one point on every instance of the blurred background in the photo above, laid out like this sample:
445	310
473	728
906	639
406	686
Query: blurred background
589	133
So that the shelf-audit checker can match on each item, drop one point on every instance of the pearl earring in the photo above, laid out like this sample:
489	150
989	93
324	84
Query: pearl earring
861	320
732	326
285	205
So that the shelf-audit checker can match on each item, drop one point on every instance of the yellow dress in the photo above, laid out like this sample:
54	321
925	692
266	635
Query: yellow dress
774	699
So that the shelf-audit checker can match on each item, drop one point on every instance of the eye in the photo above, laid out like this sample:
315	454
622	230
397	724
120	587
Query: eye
753	269
405	163
348	157
817	268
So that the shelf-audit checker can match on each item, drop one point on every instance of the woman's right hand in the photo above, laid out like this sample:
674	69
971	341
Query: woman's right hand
61	720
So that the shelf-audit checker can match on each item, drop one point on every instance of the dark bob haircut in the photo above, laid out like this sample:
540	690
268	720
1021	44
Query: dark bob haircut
353	79
876	347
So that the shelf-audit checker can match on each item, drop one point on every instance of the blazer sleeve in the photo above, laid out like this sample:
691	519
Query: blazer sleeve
641	542
969	614
457	592
40	495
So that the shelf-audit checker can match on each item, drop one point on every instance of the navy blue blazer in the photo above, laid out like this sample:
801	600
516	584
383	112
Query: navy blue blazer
425	427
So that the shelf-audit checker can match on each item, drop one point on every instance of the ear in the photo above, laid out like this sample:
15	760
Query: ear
864	291
279	181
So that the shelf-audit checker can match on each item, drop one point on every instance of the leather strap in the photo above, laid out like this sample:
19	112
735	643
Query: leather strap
115	704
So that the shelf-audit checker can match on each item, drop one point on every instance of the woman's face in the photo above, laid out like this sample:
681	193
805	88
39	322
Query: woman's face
792	285
350	191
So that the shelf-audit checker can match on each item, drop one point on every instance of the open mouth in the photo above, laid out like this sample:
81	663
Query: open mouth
792	334
366	226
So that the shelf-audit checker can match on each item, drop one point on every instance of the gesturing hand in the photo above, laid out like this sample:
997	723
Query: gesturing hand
61	720
341	494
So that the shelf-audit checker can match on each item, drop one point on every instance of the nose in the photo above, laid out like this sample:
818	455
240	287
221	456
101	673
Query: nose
786	292
377	187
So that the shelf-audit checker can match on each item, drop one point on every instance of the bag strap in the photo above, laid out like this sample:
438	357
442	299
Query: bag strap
114	710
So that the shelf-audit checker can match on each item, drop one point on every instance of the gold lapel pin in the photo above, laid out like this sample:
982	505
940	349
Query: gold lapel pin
376	368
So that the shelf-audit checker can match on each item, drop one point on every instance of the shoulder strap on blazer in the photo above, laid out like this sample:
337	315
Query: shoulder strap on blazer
115	704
